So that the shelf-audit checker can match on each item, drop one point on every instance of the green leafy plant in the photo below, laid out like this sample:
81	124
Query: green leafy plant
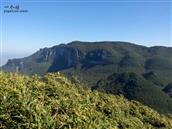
53	101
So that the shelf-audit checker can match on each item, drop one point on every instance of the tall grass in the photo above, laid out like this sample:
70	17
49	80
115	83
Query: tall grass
53	101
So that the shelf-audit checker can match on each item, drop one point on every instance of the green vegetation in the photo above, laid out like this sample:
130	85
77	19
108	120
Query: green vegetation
168	89
92	61
53	101
136	87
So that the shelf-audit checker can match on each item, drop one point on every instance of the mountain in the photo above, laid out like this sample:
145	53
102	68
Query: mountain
168	89
52	101
136	87
152	77
92	61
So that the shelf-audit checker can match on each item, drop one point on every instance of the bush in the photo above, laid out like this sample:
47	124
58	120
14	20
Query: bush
53	101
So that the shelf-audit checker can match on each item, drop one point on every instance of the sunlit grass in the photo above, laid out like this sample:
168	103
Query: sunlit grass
53	101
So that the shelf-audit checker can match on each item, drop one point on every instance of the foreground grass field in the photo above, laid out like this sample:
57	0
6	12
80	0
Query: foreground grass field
53	101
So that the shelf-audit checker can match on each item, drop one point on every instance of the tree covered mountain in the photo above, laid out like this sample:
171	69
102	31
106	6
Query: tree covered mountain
52	101
92	61
137	87
168	89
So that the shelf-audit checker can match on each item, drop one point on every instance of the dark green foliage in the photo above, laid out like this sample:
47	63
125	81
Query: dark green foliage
152	77
135	87
92	61
168	89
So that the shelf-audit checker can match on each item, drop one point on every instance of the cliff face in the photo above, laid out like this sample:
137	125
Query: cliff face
59	58
96	60
65	57
49	59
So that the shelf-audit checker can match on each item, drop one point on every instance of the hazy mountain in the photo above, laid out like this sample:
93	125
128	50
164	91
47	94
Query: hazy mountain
92	61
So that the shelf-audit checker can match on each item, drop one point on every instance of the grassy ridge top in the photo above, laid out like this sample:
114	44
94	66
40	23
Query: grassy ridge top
53	101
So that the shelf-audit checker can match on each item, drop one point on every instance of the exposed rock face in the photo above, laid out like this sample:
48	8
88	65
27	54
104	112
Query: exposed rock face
65	57
14	65
96	60
59	57
96	57
91	62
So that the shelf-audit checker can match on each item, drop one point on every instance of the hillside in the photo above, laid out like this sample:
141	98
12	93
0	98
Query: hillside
52	101
95	61
168	89
136	87
92	61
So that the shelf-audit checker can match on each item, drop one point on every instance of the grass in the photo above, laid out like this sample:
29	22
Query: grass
53	101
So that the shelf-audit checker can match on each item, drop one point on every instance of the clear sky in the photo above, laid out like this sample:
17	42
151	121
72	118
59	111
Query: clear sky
48	23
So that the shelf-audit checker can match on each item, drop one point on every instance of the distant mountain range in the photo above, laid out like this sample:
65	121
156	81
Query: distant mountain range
95	62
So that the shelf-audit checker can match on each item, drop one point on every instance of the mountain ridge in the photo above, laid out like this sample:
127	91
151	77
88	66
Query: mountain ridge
82	55
91	62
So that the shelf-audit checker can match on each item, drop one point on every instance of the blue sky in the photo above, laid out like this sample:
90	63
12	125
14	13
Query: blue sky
50	23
